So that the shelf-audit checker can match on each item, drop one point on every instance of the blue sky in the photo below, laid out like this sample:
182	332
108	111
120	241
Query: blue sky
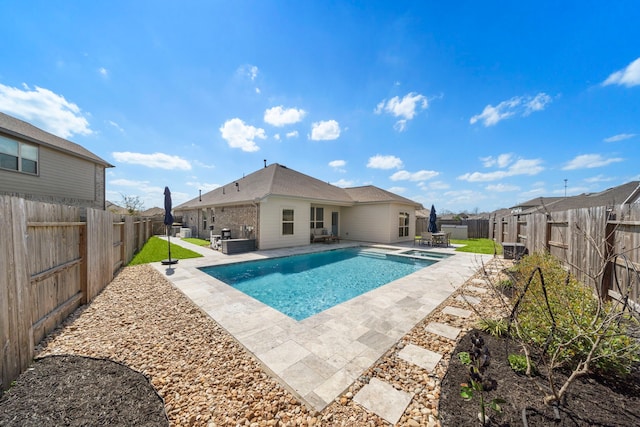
470	106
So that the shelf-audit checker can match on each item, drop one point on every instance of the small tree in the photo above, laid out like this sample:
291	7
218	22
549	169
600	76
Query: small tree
132	204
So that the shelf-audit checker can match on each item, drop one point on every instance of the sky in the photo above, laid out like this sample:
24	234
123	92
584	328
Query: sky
470	106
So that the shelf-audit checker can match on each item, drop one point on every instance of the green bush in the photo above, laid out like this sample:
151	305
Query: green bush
494	327
579	319
518	363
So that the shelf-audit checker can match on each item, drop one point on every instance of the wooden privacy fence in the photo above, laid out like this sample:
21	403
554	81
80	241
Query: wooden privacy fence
599	245
54	258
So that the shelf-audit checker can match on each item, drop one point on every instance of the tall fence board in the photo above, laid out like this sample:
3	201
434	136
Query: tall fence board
599	245
54	258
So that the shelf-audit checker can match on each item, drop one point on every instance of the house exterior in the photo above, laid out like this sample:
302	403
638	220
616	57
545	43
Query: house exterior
280	207
37	165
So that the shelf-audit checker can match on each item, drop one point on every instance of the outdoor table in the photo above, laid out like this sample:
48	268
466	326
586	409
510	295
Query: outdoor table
439	239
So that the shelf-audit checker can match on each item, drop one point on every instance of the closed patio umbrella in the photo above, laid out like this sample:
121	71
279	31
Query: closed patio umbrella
433	227
168	222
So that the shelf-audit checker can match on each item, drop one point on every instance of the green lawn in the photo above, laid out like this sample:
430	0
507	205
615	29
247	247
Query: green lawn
478	246
196	241
156	250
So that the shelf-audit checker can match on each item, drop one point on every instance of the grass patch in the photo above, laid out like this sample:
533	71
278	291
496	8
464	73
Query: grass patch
156	250
196	241
478	246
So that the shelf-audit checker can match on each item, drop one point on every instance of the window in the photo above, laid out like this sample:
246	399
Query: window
403	223
18	156
287	221
317	217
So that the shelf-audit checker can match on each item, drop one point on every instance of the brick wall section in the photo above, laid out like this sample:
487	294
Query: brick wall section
236	218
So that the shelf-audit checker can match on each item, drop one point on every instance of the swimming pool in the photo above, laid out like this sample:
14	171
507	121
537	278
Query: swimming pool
303	285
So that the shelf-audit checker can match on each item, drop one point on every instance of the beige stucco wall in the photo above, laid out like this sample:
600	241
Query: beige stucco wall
376	223
271	236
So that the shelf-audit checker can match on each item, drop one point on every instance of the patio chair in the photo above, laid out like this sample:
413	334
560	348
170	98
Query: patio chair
427	238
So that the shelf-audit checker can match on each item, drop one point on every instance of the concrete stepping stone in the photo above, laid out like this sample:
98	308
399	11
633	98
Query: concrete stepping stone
422	357
476	289
383	399
443	330
455	311
479	281
468	299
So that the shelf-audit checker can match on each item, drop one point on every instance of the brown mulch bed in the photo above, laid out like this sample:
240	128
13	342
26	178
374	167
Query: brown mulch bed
591	401
81	391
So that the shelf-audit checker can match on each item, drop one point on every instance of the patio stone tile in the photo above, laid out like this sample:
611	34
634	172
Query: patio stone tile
283	356
479	281
456	311
334	385
477	289
376	340
422	357
384	400
443	330
468	299
302	379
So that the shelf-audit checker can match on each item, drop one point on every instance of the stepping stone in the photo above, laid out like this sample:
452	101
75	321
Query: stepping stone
468	299
422	357
443	330
479	281
383	399
455	311
477	289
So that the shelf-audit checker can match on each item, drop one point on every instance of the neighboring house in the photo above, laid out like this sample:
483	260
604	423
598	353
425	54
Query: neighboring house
37	165
280	207
623	194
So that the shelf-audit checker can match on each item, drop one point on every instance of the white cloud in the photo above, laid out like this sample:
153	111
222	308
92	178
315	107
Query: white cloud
537	103
384	162
520	167
155	160
279	116
338	165
628	76
205	187
240	135
343	183
276	137
405	108
501	161
397	190
103	72
325	130
501	188
438	185
115	125
292	134
588	161
619	137
599	178
422	175
518	105
253	72
47	110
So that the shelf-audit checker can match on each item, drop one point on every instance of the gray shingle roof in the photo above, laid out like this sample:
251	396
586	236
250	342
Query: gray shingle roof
23	130
279	180
609	197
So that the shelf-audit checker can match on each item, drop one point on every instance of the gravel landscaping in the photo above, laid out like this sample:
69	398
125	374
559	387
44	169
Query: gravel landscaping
207	379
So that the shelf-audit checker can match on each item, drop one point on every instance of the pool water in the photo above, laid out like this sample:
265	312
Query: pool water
303	285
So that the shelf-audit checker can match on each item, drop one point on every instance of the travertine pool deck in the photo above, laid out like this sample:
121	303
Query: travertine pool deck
318	358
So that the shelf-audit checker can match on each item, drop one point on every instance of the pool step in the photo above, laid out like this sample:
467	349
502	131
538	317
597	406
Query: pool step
372	254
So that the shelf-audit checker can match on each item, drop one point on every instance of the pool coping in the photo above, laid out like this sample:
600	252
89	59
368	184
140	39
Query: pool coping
319	357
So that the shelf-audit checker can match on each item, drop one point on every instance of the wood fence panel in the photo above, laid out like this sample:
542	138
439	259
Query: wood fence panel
99	251
15	319
54	264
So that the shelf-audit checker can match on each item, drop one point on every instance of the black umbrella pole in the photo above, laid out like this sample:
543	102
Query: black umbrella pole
169	243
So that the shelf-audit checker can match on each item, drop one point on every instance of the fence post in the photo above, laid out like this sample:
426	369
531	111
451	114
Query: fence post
83	264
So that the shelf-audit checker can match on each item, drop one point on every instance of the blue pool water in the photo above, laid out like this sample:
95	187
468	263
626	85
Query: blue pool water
303	285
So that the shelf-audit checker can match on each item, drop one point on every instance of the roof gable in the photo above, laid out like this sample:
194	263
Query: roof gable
279	180
26	131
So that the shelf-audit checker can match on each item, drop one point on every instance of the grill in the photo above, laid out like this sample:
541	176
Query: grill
225	234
